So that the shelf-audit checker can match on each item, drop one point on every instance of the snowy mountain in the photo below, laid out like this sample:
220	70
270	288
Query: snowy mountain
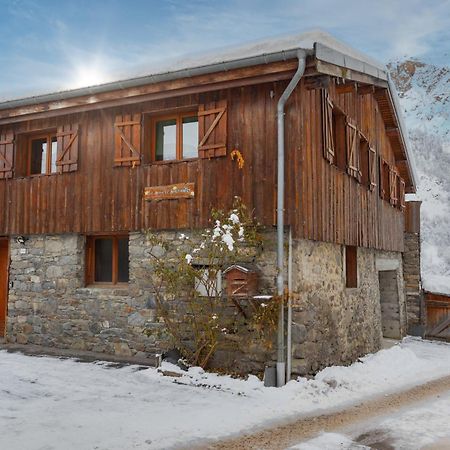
424	91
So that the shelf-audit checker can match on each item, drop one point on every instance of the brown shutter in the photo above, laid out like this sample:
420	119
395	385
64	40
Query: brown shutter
212	128
67	138
352	149
380	178
127	140
327	127
90	261
6	154
393	186
372	168
402	195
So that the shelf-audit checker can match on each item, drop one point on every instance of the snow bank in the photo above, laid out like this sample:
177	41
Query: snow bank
330	441
414	427
47	401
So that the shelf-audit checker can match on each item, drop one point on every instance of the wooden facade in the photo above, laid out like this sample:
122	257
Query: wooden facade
100	189
438	315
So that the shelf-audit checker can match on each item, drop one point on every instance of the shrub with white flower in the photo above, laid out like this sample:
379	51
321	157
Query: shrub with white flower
189	277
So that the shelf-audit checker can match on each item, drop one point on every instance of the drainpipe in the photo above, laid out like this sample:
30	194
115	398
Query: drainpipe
289	317
281	364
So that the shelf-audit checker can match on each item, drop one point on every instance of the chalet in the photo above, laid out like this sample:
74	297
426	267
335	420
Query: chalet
84	172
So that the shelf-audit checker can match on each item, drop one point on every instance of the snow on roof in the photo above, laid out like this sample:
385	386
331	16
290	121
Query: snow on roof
243	268
304	41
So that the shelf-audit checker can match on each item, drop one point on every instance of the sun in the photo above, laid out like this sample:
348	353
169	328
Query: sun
88	76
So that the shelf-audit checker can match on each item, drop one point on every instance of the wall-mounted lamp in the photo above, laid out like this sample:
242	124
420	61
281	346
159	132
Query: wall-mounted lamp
21	240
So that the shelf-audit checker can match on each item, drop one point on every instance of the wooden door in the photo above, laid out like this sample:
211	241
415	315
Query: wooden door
438	315
4	269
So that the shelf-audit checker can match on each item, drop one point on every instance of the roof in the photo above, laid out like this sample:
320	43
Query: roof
246	268
322	45
189	66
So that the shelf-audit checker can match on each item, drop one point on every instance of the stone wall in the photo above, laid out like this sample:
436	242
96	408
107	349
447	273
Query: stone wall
49	304
415	305
334	324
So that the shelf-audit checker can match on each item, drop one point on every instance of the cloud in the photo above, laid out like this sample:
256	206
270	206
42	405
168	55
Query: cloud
43	46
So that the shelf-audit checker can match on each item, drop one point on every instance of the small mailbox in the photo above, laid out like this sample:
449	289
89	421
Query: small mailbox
241	280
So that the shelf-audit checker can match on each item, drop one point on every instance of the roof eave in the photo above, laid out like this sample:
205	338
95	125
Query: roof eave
403	134
224	66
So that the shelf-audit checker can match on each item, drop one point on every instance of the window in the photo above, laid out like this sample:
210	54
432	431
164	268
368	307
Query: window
351	266
41	154
364	160
384	179
339	138
208	283
107	260
174	137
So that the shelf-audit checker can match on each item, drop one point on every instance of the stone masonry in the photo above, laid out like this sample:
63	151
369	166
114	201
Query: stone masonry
413	285
334	324
49	304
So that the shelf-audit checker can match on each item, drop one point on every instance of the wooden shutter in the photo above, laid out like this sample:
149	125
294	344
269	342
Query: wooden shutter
401	195
352	149
327	127
127	140
212	128
6	154
67	143
372	168
392	186
90	261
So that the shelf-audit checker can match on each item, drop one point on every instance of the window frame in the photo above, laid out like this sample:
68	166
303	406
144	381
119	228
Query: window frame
351	266
178	116
90	260
48	135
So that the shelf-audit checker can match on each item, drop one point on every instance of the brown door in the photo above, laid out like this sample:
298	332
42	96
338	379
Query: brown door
4	266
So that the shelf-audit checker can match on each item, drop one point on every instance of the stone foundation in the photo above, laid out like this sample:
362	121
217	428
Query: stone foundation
50	306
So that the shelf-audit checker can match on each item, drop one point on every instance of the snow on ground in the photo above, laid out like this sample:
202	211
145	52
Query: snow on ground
47	403
414	427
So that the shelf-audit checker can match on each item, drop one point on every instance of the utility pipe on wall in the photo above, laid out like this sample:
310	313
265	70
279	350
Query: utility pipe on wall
281	364
289	317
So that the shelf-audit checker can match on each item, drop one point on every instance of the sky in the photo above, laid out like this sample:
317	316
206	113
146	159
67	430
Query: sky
49	45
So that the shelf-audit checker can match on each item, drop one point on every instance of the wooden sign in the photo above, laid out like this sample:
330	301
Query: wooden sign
171	191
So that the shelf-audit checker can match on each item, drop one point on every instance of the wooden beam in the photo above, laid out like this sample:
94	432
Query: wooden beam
366	89
392	131
317	82
346	88
41	113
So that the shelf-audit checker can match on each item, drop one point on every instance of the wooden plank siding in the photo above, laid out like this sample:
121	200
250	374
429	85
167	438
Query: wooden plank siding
322	202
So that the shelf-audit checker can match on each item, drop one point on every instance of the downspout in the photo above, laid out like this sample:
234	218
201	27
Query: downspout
289	317
281	364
